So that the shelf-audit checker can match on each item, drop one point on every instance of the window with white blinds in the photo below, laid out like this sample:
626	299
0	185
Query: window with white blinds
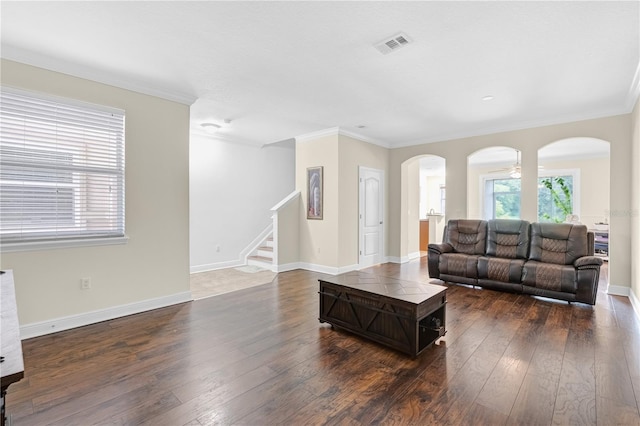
61	169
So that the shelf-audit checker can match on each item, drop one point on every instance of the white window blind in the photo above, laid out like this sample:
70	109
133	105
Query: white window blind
61	169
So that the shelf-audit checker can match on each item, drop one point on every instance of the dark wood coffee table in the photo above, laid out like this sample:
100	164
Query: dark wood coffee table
404	315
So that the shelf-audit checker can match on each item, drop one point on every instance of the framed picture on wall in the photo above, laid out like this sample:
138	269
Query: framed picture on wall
314	193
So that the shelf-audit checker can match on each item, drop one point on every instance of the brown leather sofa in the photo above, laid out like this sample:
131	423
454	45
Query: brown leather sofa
544	259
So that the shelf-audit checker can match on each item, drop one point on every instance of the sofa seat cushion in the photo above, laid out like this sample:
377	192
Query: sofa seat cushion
459	264
550	276
499	269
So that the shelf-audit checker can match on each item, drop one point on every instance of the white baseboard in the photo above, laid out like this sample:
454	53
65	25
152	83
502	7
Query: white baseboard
330	270
414	255
215	266
618	290
287	267
349	268
242	257
28	331
635	302
403	259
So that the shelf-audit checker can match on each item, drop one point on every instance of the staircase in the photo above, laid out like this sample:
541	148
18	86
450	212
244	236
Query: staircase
263	255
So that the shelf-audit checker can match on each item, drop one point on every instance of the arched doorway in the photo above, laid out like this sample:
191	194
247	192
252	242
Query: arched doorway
423	203
574	186
493	183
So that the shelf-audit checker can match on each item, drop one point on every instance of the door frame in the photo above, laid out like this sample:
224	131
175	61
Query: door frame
381	194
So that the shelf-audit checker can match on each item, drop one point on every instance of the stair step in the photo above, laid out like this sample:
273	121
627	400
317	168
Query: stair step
265	248
261	259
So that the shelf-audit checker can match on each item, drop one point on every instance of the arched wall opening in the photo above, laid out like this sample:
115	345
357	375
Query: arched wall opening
493	183
583	164
613	130
423	203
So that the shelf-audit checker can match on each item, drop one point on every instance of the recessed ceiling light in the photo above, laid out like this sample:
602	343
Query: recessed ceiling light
488	98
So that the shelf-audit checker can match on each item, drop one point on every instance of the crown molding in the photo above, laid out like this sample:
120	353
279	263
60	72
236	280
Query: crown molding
533	124
634	90
332	131
337	131
94	74
365	138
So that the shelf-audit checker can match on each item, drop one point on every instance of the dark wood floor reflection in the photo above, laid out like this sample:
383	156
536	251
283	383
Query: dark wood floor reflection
260	357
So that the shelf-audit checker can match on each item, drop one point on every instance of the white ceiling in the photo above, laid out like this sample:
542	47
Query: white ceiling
279	70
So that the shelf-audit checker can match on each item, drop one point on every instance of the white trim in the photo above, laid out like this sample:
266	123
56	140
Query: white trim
364	138
98	75
525	125
286	267
242	257
28	331
332	131
635	302
337	131
213	266
61	244
288	199
634	90
414	255
381	227
574	173
618	290
327	269
396	259
253	245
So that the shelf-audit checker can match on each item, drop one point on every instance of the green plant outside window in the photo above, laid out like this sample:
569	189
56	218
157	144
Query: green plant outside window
555	198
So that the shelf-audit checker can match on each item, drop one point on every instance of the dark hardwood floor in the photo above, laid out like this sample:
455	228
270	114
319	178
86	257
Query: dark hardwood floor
260	357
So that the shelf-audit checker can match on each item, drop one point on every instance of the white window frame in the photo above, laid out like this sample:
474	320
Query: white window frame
486	202
102	169
575	175
485	206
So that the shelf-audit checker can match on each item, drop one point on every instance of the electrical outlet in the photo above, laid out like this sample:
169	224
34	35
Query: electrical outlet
218	249
85	283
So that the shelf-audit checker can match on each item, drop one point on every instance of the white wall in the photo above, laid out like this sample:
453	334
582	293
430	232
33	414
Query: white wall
152	269
232	189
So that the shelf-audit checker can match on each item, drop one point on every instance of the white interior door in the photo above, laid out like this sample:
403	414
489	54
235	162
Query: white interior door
371	212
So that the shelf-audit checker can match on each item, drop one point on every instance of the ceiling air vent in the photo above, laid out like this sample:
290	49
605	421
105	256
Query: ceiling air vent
393	43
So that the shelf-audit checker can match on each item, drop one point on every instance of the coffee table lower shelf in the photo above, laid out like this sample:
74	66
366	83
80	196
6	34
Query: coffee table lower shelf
407	326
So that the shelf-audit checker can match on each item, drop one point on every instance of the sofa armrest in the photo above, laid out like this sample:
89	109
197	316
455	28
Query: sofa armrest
441	248
587	277
435	250
585	262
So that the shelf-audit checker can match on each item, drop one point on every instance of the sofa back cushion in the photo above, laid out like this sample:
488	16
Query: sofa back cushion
466	235
508	238
559	243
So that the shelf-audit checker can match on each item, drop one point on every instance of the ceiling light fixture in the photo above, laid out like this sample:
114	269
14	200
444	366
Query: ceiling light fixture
488	98
210	127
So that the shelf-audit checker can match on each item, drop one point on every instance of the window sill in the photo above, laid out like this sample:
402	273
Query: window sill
60	244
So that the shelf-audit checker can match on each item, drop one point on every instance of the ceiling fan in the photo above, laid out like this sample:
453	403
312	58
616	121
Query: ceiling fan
515	170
